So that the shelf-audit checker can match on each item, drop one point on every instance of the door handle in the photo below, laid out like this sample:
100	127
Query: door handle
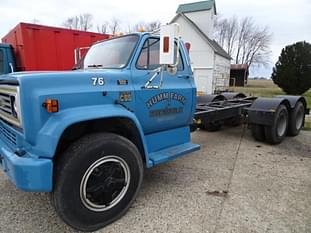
183	76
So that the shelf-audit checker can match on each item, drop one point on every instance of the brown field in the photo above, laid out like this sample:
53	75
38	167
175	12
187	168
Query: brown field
266	88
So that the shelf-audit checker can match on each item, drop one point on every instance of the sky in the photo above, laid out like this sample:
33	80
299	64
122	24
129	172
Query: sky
288	20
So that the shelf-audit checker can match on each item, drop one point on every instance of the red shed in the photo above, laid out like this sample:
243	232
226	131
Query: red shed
239	75
38	47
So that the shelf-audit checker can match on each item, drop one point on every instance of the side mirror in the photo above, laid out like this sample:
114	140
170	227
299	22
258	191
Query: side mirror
168	53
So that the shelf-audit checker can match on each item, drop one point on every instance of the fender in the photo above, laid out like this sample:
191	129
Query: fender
50	133
204	99
233	95
293	99
262	110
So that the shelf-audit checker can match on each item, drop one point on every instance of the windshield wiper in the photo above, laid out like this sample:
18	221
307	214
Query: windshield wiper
94	66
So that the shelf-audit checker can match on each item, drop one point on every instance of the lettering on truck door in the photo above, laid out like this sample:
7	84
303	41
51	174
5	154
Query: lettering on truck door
167	107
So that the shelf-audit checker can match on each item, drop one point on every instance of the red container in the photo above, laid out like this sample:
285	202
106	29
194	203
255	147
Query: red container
39	47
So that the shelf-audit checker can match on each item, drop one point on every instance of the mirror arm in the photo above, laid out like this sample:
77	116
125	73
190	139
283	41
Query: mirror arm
177	52
157	71
11	67
161	77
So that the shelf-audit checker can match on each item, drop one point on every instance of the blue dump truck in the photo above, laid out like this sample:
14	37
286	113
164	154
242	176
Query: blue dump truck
85	136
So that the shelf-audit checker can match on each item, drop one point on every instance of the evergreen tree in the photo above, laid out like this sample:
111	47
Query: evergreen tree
292	72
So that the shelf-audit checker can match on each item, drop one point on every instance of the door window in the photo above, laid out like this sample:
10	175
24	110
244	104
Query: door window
1	61
150	56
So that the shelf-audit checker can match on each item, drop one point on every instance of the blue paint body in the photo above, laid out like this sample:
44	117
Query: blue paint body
164	137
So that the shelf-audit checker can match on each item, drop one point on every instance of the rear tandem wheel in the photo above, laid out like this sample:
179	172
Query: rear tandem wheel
258	132
296	119
276	132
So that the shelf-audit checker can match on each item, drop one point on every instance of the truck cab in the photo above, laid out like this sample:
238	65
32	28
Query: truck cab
86	135
7	61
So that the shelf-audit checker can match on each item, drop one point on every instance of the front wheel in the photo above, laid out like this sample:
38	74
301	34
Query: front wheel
96	180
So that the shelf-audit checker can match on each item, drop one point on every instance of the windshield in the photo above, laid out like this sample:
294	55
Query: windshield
114	53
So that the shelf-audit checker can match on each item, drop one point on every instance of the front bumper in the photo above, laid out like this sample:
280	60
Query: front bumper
27	172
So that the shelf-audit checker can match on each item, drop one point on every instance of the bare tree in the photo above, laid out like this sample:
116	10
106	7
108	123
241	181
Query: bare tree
86	21
221	26
71	22
35	21
114	25
153	25
103	28
81	22
130	29
244	41
147	26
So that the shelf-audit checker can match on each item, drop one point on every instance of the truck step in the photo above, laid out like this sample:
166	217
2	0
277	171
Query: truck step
171	153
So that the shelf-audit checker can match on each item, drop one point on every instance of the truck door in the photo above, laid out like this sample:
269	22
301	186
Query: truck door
169	106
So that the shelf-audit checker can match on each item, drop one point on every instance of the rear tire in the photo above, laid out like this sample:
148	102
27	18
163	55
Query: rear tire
258	132
96	180
296	119
277	131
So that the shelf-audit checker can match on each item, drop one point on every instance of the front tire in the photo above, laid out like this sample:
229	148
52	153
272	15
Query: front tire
96	180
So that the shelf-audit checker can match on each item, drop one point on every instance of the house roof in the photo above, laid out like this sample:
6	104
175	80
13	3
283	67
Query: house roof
196	6
215	46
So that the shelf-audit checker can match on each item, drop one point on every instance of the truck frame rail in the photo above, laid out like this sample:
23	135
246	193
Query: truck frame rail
271	119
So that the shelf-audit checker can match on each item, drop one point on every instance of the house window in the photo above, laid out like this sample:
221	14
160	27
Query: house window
150	56
1	61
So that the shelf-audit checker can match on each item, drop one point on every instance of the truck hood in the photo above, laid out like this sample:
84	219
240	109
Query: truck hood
73	89
42	75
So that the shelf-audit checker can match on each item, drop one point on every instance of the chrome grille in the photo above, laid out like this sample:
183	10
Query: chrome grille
8	95
5	103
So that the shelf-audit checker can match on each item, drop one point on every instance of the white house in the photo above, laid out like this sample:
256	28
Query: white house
211	64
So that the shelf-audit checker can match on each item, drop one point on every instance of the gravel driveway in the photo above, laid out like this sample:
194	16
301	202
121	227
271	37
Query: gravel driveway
233	184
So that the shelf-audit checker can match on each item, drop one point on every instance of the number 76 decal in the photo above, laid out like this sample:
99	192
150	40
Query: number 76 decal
98	81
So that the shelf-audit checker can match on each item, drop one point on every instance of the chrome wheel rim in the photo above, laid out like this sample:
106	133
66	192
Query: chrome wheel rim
105	183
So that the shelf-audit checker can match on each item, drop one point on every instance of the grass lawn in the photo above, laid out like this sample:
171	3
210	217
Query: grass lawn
266	88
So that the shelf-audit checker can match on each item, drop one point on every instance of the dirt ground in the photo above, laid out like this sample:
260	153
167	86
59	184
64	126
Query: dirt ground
233	184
